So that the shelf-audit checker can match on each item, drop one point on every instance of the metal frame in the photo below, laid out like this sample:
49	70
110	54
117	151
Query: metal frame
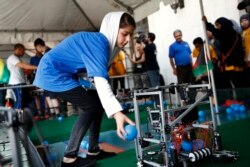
16	136
164	135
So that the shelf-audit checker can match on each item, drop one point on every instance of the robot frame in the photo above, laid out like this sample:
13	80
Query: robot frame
167	140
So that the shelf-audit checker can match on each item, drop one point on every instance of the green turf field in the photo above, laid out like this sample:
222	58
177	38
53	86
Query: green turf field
235	136
56	131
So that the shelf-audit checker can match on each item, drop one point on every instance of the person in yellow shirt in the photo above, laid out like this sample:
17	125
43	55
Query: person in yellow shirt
4	79
199	54
116	70
245	25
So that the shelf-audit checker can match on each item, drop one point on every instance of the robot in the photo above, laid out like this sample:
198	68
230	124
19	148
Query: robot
170	142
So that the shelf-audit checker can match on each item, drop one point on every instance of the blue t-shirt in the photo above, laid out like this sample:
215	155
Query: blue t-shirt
181	53
80	52
35	60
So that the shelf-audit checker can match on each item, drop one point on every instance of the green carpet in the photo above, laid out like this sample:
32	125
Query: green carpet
125	159
235	136
55	131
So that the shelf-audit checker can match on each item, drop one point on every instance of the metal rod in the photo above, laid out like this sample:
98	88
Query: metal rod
152	163
13	137
152	140
138	127
84	14
33	156
207	50
17	86
188	110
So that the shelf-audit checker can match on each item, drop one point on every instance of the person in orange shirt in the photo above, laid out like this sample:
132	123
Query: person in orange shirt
245	25
117	68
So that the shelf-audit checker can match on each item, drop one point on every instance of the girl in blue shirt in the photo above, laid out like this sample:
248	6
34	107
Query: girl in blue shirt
92	53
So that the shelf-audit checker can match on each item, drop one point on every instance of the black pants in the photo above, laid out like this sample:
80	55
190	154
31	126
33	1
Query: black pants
90	119
115	84
236	77
185	75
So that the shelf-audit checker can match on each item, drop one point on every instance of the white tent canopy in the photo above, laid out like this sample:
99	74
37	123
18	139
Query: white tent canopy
25	20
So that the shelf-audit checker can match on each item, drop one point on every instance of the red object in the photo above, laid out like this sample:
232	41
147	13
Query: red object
8	103
47	116
229	102
37	118
27	72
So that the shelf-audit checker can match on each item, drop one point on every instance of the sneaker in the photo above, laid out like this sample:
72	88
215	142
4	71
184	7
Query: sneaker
102	155
47	116
80	162
39	117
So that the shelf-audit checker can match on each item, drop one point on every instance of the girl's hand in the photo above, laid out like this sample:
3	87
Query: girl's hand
120	119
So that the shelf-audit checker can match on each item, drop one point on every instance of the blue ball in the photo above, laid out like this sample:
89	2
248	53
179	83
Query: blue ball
232	105
238	107
201	119
45	142
242	108
84	145
235	107
131	132
186	145
201	113
60	118
229	110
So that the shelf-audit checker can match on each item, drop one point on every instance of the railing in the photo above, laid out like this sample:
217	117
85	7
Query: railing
15	123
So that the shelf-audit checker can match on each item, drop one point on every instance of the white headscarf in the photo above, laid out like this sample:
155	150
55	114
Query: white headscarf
110	27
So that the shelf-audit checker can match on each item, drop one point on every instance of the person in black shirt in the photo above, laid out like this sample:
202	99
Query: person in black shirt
151	64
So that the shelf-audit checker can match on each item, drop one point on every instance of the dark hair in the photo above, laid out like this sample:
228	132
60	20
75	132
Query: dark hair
19	46
225	23
151	36
139	41
39	41
198	40
127	20
243	4
245	16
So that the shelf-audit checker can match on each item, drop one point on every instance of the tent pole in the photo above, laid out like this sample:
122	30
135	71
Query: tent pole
129	9
212	83
84	14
